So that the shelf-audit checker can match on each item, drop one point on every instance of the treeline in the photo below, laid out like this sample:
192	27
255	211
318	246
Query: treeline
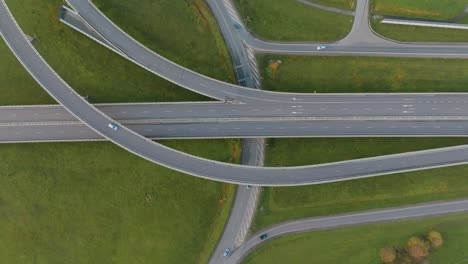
416	250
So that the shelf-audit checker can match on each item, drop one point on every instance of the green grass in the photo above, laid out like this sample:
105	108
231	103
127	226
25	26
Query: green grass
363	74
360	244
280	204
343	4
88	67
96	203
290	20
16	85
178	30
432	9
421	34
322	150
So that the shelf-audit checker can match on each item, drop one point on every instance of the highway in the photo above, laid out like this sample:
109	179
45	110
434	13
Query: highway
435	108
217	120
346	220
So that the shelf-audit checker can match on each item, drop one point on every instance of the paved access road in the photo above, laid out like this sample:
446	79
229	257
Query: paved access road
330	222
361	41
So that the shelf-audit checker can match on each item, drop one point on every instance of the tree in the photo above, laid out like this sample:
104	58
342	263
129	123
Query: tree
435	239
417	248
387	254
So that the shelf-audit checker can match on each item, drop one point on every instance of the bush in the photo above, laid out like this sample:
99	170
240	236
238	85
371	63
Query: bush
435	239
387	254
417	248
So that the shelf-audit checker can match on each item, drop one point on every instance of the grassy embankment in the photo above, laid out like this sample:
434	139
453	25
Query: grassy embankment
432	10
343	4
291	20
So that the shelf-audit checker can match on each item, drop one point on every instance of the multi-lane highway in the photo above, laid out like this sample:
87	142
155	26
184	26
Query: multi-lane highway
218	120
352	219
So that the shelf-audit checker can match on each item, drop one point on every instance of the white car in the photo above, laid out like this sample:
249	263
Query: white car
226	252
113	126
321	47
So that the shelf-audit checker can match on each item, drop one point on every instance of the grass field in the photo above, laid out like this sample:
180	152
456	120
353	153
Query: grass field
343	4
178	30
96	203
359	245
422	34
290	20
88	67
363	74
280	204
432	9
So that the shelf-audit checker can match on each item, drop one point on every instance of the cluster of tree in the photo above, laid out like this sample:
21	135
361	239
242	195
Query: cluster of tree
415	251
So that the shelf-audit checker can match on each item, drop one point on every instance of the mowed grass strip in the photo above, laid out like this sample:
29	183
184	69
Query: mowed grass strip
361	244
362	74
343	4
290	20
91	69
97	203
183	31
431	9
419	34
285	203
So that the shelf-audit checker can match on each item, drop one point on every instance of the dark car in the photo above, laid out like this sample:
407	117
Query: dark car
264	236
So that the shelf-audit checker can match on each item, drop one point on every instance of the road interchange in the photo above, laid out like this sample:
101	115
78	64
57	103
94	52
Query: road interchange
196	166
450	151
